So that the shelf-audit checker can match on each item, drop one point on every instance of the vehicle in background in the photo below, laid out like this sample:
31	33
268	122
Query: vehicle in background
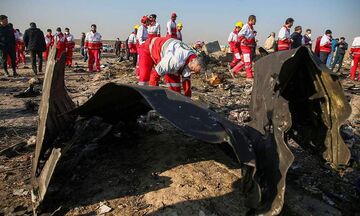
107	48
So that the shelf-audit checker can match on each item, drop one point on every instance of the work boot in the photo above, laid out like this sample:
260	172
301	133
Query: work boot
15	74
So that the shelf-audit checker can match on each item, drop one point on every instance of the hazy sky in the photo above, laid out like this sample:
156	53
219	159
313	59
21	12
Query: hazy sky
203	20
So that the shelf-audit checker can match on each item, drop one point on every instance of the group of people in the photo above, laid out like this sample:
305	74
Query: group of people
13	45
242	43
242	39
155	56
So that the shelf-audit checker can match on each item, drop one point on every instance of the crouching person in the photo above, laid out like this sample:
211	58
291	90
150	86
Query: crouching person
171	58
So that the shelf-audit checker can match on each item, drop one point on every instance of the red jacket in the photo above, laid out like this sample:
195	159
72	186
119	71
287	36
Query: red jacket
49	40
61	41
234	42
132	43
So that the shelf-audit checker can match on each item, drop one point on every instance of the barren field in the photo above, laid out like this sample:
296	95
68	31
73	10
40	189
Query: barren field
157	170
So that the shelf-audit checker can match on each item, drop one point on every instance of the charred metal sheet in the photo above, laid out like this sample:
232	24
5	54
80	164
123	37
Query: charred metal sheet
260	147
296	96
53	122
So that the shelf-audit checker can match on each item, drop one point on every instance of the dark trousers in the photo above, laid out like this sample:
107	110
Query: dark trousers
134	58
83	52
323	57
117	51
338	60
11	52
33	55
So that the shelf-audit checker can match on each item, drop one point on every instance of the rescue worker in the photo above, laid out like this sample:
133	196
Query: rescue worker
284	36
132	45
70	45
325	46
179	27
20	48
317	46
34	40
93	45
234	44
141	37
171	58
355	53
7	44
247	42
154	27
49	41
171	26
60	39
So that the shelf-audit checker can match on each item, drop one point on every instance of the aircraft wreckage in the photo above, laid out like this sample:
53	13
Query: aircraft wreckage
294	97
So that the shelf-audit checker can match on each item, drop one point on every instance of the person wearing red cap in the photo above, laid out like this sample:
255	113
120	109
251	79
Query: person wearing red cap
171	26
154	27
247	42
171	58
93	45
141	36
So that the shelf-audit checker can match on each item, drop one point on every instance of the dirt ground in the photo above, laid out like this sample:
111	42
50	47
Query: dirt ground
157	170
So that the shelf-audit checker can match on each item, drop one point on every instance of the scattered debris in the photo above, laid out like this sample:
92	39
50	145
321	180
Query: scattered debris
31	141
20	192
214	80
31	106
12	150
103	208
212	47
